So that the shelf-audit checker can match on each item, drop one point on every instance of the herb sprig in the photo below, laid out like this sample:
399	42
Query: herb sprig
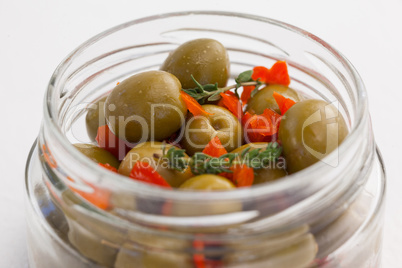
211	92
201	163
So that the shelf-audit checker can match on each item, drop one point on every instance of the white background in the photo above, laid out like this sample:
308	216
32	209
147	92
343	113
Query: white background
36	35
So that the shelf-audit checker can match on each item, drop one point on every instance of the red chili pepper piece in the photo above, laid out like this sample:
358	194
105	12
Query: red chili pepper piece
246	94
192	105
109	167
261	73
199	259
143	171
284	103
230	101
250	134
273	119
214	148
261	128
243	175
99	197
278	74
111	143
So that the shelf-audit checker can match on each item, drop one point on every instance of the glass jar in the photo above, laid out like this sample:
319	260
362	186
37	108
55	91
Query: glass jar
327	215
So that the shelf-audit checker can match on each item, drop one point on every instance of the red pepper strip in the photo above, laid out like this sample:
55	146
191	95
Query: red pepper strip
199	259
48	157
230	101
111	143
100	197
273	119
284	104
278	74
261	73
246	94
214	148
261	128
143	171
192	105
250	134
243	175
109	167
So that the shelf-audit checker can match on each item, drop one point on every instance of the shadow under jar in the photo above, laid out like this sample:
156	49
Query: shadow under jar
327	215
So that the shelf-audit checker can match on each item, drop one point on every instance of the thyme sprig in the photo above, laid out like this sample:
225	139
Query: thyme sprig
211	92
201	163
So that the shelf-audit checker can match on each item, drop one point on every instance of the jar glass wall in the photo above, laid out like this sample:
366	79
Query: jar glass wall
317	217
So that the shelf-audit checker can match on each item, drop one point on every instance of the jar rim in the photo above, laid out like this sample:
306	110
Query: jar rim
296	180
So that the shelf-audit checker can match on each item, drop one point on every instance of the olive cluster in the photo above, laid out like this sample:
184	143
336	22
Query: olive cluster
146	109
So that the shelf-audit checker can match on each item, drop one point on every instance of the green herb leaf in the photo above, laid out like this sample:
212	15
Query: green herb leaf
244	76
211	87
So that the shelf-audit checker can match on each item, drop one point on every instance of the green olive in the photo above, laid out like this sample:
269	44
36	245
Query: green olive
200	130
146	106
309	131
291	249
205	59
264	98
97	154
95	117
146	152
133	255
273	171
97	240
207	182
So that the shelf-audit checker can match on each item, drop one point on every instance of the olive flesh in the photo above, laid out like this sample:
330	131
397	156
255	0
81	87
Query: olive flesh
200	130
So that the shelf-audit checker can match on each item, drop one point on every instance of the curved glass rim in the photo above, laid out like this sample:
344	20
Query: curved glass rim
292	180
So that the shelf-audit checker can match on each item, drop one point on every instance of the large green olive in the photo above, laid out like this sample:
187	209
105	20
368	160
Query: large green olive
146	106
95	117
146	152
273	171
97	154
264	98
309	131
205	59
200	130
208	182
